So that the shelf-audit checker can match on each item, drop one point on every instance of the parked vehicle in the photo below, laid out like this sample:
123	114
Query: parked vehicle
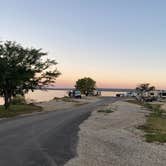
148	96
131	94
77	94
94	93
120	95
74	94
162	94
154	94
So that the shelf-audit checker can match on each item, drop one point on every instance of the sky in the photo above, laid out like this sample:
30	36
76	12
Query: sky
118	43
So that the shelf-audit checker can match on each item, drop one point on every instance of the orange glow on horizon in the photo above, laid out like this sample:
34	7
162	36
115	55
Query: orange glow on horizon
128	80
61	83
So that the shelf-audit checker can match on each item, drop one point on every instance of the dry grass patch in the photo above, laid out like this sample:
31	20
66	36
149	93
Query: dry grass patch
105	111
155	126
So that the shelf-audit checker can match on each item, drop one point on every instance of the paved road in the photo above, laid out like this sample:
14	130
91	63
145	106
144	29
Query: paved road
46	139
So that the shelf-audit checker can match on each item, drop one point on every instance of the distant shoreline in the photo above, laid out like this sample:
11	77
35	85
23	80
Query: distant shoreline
100	89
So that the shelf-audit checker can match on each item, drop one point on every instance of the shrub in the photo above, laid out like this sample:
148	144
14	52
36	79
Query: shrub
18	100
106	111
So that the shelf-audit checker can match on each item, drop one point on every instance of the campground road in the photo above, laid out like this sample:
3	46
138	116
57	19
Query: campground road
45	139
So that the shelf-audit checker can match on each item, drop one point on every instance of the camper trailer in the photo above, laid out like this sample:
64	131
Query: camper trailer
148	96
154	94
162	94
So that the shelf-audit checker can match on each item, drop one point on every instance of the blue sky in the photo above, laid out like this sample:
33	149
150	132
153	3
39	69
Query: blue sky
119	43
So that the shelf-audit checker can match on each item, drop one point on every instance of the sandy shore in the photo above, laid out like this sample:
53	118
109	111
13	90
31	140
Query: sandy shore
65	103
113	140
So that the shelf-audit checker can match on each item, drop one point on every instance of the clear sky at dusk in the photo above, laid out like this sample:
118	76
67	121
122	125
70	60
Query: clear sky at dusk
119	43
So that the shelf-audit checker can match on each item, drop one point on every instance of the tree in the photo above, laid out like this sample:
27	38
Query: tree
86	85
23	69
144	88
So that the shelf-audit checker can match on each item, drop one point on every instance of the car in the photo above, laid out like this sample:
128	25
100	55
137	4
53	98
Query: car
120	95
77	94
74	94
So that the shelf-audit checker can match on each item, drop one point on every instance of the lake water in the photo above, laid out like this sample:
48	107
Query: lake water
46	95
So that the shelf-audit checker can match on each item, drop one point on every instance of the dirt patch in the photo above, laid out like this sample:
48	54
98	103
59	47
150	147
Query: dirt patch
113	139
65	103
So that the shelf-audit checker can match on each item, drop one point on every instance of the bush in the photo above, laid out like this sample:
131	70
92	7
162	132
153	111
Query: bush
18	100
106	111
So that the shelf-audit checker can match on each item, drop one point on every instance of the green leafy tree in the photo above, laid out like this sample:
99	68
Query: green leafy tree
144	88
86	85
23	69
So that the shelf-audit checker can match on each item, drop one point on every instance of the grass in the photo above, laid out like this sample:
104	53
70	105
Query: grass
80	104
106	111
155	125
155	129
133	101
65	99
56	98
18	109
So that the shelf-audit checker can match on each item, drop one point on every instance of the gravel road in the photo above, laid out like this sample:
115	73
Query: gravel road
45	139
113	140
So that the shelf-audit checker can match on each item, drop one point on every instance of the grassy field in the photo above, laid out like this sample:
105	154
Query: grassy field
18	109
155	126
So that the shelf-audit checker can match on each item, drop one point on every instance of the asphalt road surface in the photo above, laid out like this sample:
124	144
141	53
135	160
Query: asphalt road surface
45	139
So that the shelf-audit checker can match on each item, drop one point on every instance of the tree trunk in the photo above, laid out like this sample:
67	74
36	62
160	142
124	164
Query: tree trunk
7	100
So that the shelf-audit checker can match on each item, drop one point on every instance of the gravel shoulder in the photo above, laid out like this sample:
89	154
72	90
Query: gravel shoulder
61	104
112	139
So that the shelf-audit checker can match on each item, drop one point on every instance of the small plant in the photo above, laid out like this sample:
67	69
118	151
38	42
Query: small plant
56	98
149	106
158	112
106	111
18	100
152	137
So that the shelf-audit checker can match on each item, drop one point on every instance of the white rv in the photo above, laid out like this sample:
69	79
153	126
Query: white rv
148	96
154	93
162	94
